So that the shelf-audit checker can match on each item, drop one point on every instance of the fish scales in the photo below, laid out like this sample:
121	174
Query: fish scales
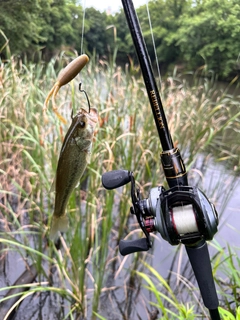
73	159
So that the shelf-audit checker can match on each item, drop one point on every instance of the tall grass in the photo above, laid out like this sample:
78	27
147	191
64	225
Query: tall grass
77	280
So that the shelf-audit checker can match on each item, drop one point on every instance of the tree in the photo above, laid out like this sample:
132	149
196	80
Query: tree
209	35
19	23
75	38
56	21
165	19
97	36
31	25
123	37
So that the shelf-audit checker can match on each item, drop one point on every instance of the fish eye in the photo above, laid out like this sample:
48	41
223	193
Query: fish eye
82	124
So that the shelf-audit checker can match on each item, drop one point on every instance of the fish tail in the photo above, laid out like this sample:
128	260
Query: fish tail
58	224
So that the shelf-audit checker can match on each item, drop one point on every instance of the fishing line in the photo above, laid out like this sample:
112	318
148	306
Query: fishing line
82	38
154	46
157	63
184	219
83	24
184	215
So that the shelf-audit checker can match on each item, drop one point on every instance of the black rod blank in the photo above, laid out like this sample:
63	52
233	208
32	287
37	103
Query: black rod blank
201	265
150	83
199	253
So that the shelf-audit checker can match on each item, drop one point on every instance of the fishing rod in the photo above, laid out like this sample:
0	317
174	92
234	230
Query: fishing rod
181	214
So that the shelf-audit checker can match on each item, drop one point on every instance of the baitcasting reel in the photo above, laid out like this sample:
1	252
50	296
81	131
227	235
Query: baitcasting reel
181	214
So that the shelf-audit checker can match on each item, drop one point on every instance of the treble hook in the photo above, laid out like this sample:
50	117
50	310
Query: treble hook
81	90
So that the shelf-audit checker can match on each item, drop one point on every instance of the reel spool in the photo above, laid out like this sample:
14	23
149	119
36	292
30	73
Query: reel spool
184	214
184	220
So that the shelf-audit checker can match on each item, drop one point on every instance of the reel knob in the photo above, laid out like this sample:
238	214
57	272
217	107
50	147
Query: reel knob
115	179
131	246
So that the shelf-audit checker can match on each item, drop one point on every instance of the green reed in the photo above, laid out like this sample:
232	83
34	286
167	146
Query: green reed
88	266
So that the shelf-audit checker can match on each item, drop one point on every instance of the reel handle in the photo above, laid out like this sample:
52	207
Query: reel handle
115	179
131	246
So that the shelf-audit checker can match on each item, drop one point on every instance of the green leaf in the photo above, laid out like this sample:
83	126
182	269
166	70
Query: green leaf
226	314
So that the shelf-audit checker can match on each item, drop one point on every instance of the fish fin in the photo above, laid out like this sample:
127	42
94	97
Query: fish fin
58	224
88	158
78	184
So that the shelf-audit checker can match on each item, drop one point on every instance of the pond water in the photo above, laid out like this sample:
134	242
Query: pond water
216	183
228	208
161	258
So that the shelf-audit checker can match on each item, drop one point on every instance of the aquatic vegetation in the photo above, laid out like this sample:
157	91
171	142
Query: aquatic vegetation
87	272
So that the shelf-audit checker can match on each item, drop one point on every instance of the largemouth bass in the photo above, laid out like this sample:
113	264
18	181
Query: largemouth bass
73	159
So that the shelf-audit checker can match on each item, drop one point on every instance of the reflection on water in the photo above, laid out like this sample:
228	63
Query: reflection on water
172	262
229	225
223	189
125	292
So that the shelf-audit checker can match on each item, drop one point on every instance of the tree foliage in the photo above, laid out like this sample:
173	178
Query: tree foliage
165	21
209	34
18	22
193	33
97	37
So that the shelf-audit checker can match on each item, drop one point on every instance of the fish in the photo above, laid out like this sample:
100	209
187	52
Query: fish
73	159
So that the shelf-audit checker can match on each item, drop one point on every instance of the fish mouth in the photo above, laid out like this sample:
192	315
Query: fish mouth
92	116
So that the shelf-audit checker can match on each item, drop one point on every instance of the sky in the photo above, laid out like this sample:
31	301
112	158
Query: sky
110	5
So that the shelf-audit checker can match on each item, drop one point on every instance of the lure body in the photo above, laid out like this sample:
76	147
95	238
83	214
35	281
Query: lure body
66	75
73	159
